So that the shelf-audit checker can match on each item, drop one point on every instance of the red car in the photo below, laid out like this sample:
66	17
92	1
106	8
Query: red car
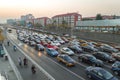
51	46
44	43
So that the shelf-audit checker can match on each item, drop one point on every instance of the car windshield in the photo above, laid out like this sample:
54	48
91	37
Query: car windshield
67	58
92	58
118	54
109	47
118	64
106	55
67	49
52	50
106	74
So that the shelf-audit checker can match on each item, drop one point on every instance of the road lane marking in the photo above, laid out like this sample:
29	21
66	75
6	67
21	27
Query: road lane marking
40	68
66	69
52	61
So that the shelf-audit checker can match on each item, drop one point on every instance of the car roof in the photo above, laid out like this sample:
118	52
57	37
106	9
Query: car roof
86	54
97	68
117	62
63	55
65	48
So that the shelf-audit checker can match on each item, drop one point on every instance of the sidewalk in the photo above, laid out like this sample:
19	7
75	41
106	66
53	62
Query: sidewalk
6	68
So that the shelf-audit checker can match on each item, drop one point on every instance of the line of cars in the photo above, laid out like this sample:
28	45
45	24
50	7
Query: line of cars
51	44
95	53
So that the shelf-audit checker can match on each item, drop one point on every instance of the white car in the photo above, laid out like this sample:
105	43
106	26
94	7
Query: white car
66	50
55	43
61	41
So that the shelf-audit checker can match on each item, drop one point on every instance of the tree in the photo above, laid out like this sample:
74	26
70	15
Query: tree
1	36
98	17
64	23
114	16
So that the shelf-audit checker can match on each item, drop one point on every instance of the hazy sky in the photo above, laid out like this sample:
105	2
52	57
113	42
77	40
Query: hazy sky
39	8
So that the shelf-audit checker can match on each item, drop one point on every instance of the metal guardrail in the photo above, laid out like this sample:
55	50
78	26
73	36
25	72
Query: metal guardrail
19	77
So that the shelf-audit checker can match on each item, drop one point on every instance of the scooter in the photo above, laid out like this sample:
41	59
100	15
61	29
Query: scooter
33	71
15	48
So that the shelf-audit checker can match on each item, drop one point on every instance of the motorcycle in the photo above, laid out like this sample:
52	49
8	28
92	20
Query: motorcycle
15	48
33	69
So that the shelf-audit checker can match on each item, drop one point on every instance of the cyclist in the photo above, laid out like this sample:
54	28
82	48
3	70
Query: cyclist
25	61
20	61
33	69
8	43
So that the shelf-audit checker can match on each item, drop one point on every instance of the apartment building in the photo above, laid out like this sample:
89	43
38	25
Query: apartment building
69	19
43	21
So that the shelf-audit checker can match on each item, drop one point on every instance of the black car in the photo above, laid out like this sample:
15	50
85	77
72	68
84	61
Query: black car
75	48
89	49
98	73
90	59
104	56
109	49
39	47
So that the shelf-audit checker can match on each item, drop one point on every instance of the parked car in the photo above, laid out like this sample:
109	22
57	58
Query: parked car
66	50
55	43
90	59
75	48
66	60
51	52
39	47
43	42
109	49
52	46
37	41
116	56
89	49
104	56
65	39
32	43
116	68
26	41
98	73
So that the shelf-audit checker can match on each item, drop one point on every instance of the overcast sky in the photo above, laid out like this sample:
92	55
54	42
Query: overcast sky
39	8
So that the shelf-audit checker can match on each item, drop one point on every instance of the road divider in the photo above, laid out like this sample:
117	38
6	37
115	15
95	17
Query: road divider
17	73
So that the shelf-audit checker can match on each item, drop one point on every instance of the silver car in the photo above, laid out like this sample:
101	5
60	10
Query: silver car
66	50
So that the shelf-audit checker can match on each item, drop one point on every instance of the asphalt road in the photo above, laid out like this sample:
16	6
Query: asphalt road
57	70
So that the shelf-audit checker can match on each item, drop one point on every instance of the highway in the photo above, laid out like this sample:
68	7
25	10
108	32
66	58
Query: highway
56	69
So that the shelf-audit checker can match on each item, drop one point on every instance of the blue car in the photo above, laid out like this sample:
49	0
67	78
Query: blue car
52	52
116	67
98	73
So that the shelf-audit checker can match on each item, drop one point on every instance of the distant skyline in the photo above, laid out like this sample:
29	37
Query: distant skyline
13	9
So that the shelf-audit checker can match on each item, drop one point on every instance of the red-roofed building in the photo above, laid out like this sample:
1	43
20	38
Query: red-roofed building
70	19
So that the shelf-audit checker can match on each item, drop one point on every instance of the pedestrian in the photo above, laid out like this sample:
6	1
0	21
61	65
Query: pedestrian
8	43
25	61
20	61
